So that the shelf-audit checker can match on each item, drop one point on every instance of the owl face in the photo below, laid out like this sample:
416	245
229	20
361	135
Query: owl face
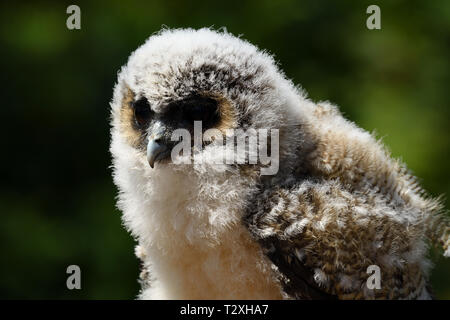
181	78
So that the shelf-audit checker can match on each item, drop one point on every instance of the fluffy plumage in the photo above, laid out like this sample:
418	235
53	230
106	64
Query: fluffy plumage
338	203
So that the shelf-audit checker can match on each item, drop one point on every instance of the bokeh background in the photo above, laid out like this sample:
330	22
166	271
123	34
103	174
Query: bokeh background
57	199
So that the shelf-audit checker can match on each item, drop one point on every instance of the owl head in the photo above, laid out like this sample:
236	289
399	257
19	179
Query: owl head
216	89
180	83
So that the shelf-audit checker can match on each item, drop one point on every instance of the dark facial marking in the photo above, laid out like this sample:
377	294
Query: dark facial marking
194	108
142	113
136	115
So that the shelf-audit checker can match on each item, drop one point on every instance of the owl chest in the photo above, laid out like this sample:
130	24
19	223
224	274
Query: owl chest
235	268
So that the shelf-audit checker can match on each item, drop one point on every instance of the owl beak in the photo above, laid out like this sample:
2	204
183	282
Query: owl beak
155	151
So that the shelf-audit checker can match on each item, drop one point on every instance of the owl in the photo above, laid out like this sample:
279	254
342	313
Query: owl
328	207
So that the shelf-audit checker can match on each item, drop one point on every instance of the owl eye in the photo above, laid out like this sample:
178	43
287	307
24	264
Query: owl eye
201	109
142	112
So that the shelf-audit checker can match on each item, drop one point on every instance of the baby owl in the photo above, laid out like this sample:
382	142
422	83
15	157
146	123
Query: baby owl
336	205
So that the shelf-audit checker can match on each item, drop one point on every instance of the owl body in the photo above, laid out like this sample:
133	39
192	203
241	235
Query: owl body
210	230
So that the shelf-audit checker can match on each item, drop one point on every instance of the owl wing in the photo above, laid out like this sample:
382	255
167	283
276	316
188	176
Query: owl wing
298	280
322	238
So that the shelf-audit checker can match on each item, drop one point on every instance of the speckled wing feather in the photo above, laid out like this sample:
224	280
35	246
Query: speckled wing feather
322	246
351	207
297	279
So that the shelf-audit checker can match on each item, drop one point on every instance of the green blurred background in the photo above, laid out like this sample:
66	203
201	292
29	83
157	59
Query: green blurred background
57	199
